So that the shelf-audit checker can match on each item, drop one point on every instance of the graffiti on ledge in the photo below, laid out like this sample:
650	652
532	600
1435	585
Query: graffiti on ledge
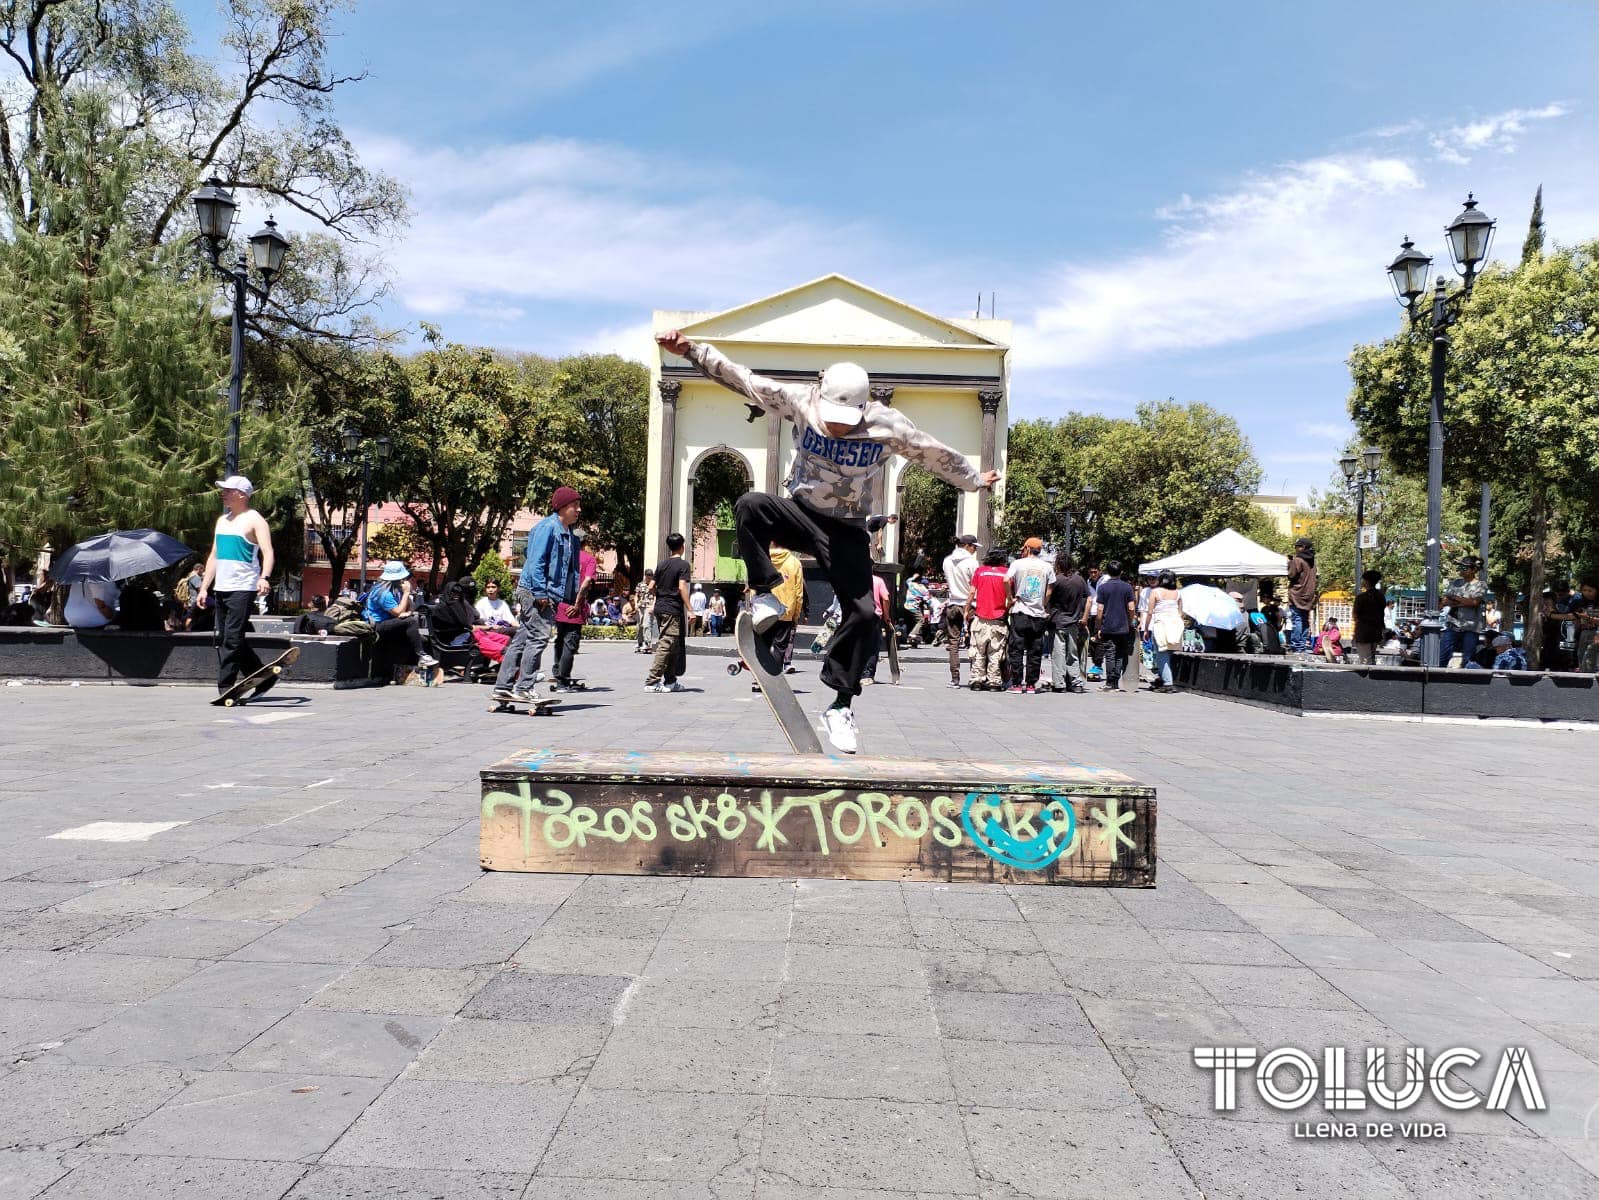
1025	831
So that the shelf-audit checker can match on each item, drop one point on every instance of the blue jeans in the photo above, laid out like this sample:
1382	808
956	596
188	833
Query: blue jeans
521	661
1463	640
1299	636
1163	665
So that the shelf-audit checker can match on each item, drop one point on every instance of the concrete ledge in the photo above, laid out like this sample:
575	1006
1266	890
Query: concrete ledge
1296	686
87	655
785	816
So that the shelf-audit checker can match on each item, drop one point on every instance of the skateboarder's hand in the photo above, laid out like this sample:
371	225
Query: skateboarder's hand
199	598
990	478
263	585
673	342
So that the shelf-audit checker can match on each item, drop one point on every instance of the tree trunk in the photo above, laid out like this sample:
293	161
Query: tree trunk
336	565
1533	641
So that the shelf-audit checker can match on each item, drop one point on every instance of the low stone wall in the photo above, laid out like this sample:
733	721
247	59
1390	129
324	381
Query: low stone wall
88	655
1409	691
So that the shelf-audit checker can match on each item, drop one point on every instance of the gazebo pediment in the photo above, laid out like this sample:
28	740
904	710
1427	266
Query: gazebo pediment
837	311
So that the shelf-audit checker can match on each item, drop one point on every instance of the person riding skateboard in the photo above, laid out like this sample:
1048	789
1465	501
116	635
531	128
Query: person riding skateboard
842	442
236	573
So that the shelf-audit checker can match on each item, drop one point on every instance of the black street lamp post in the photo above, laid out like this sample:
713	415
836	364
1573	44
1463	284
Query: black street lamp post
1360	474
1469	236
1086	512
215	209
353	442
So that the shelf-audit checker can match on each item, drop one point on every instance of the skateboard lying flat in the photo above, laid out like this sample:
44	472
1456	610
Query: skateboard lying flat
768	671
259	681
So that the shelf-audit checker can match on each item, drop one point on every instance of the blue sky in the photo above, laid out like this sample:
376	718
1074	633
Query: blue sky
1169	199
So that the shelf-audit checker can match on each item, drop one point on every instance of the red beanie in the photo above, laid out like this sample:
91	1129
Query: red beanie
563	496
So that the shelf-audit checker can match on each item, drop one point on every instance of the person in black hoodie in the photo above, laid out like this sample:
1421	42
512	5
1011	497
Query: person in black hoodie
1370	606
1303	589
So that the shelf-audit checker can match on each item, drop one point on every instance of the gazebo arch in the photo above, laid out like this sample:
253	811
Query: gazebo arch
720	561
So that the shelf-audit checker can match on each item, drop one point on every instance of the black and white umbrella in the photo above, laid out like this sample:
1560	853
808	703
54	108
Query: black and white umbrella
120	554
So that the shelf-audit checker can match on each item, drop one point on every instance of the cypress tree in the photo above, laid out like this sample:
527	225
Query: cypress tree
1532	248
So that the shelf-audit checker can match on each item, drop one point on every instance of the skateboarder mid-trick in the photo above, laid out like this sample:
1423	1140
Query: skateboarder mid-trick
842	440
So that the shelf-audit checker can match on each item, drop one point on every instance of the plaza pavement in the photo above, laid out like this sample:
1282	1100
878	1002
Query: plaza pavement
307	988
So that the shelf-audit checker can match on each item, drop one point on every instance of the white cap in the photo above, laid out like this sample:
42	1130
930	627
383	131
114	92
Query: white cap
237	483
845	391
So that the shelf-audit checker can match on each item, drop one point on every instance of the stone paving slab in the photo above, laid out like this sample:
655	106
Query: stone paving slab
307	988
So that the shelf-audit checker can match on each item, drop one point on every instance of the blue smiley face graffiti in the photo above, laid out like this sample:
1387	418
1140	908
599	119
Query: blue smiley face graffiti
982	815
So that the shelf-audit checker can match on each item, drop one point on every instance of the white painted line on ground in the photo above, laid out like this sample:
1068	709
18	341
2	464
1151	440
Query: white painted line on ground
619	1013
258	718
306	812
211	787
116	831
319	783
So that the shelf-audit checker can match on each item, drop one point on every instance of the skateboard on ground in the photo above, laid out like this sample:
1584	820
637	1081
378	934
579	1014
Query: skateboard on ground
258	681
768	671
541	705
892	638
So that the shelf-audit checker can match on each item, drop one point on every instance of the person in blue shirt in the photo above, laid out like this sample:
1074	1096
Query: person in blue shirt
549	577
391	609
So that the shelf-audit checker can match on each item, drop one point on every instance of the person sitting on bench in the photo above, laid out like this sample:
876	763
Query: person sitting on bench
389	609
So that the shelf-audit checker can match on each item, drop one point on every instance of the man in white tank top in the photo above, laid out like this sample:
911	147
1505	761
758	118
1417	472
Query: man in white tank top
237	571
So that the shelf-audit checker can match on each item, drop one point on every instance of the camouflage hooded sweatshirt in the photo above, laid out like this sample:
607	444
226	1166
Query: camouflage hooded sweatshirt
834	475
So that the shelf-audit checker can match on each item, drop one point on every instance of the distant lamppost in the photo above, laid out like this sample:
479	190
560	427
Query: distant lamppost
1360	474
354	443
215	209
1066	515
1469	236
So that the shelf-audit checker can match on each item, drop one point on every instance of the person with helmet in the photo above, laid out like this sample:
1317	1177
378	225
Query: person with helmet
842	443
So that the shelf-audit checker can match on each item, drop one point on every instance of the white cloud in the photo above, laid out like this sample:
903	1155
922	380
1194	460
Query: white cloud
1328	430
1500	132
500	227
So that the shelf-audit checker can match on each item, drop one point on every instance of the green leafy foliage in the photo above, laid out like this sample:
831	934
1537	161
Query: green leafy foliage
492	566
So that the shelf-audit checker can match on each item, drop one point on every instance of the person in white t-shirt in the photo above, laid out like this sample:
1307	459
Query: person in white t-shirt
492	610
1027	583
91	604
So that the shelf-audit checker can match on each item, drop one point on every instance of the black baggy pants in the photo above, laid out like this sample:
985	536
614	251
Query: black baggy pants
567	636
1026	648
233	615
842	550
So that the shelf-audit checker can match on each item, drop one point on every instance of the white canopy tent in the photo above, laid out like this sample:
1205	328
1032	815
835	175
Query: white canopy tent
1228	555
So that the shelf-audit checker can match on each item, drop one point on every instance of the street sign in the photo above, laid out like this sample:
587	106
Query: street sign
1368	537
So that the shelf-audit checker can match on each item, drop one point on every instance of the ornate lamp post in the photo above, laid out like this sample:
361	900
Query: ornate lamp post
1360	474
215	209
354	443
1066	515
1469	235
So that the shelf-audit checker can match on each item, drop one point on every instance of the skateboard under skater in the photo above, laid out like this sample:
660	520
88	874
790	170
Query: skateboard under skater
538	706
767	668
259	681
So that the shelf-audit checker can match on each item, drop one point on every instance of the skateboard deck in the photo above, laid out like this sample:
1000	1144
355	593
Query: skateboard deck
892	639
539	706
258	682
768	672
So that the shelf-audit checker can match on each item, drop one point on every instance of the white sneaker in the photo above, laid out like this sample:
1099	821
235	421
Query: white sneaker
766	610
426	660
841	731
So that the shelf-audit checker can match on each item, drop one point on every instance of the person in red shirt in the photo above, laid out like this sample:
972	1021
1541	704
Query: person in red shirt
986	609
884	604
569	617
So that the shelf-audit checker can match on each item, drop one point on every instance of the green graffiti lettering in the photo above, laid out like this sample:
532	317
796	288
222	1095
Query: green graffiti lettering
946	831
730	819
848	806
643	823
907	805
767	819
877	806
678	823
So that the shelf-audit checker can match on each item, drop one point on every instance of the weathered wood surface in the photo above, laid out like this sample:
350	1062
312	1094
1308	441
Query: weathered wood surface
812	816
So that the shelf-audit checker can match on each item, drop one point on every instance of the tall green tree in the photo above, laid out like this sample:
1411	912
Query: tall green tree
112	417
1519	396
474	444
609	396
1532	245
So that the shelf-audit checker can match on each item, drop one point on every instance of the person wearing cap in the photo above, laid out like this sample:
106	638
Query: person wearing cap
236	573
1027	588
842	442
959	567
391	608
549	577
1464	600
1303	590
1508	656
986	609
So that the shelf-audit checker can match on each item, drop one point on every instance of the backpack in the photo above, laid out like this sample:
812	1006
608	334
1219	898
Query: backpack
342	610
354	627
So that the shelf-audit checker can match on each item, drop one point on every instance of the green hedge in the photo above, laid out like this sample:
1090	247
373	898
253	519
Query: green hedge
615	633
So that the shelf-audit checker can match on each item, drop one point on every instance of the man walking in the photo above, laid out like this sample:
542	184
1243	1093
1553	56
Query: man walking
549	576
671	617
235	574
843	440
1303	589
1027	586
959	567
1464	598
1116	616
1067	604
985	617
644	611
569	618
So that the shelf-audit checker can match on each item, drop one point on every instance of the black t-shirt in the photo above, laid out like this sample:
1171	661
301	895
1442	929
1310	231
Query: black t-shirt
1369	609
671	572
1068	595
1114	597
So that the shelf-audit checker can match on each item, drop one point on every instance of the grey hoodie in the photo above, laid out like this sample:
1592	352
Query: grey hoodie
830	474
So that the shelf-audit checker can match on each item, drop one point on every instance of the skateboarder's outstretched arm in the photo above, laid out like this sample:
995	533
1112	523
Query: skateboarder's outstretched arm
924	449
768	394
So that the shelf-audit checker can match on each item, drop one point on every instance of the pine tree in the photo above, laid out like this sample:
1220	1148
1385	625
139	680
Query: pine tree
1532	248
111	416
